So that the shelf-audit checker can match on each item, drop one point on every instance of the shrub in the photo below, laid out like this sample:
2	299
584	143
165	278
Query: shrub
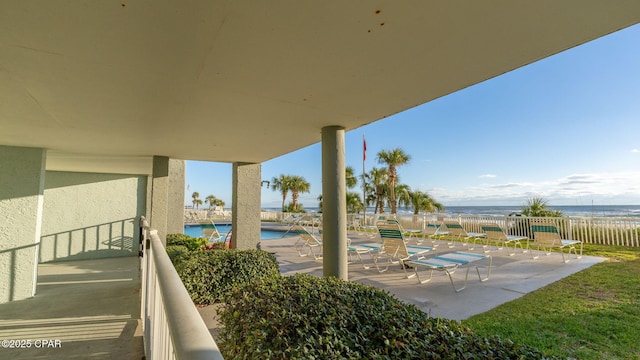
303	316
185	240
174	251
209	275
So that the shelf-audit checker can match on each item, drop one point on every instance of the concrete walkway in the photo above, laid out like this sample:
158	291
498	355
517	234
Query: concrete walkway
86	309
511	278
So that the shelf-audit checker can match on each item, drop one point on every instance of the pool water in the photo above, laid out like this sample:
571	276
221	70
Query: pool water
195	231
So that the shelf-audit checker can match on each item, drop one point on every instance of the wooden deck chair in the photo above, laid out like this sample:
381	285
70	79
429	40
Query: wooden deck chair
210	231
449	263
547	236
307	244
432	231
496	235
395	249
457	230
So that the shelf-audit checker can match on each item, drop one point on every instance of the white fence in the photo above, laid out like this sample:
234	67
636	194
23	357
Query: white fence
173	328
602	231
590	230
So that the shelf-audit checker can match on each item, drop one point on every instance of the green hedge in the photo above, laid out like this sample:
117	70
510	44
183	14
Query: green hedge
174	251
185	240
306	317
209	275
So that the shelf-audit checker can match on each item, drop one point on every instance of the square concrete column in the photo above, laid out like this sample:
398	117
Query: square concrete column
245	208
175	215
160	196
334	203
22	174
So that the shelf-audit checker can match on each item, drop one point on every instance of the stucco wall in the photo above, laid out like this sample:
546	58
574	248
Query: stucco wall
21	200
88	215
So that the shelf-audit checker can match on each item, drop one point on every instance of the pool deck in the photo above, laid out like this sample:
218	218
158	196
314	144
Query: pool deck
511	277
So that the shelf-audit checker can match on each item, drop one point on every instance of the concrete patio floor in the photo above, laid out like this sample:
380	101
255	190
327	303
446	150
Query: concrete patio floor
511	277
85	309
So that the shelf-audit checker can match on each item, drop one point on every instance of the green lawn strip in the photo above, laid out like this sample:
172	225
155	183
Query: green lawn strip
593	314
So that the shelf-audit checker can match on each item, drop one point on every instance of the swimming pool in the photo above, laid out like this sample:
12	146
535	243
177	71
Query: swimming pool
223	229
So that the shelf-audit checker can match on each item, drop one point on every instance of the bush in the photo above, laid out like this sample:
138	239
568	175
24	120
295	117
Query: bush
209	275
306	317
174	251
185	240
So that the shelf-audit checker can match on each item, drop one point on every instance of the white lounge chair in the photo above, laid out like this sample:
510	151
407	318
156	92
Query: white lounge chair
547	236
495	234
210	231
449	263
394	247
456	229
307	240
433	231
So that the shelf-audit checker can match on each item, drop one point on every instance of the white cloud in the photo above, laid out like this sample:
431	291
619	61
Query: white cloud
487	176
635	150
613	188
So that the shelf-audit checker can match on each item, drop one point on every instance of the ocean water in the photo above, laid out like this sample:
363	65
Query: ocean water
567	210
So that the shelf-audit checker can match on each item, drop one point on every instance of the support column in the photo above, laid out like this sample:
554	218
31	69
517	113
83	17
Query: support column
160	196
245	206
22	175
175	216
334	203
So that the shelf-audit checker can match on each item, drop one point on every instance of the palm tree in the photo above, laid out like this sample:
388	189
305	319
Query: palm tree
421	201
214	201
393	159
538	206
376	187
297	185
211	200
197	202
350	179
196	197
354	203
282	183
402	197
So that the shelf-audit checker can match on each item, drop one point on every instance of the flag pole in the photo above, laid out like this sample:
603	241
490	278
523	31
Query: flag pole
364	185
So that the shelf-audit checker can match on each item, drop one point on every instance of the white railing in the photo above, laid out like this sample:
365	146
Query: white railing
592	230
173	328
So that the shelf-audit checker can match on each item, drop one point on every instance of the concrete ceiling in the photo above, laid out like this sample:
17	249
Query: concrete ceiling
248	81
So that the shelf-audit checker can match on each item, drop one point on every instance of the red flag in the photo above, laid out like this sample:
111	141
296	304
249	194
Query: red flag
364	148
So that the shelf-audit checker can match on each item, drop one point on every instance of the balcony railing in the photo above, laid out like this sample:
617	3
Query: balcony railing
173	328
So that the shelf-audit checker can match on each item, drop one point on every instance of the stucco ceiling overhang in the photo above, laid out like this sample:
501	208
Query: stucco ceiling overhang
247	81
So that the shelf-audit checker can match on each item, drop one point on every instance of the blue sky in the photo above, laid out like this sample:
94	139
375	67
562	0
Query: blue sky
565	128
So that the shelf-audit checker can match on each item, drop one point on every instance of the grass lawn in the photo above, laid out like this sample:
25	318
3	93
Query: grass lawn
593	314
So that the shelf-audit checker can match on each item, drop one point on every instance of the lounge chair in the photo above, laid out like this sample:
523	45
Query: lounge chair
449	263
358	250
496	235
307	240
432	231
456	229
210	231
394	247
547	236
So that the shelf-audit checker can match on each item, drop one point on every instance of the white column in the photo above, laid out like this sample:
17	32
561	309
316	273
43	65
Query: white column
22	175
175	215
245	208
160	196
334	203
